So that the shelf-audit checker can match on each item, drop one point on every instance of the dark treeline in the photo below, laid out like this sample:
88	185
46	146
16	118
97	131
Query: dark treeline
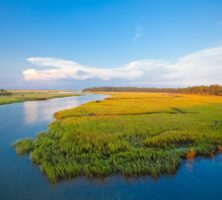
208	90
4	92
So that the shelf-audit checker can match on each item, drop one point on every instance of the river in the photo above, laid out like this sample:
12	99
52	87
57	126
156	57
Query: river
22	180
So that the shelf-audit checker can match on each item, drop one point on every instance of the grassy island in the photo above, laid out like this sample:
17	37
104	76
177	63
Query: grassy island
128	133
15	96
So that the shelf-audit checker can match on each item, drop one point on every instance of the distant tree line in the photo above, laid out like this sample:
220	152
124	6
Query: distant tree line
4	92
206	90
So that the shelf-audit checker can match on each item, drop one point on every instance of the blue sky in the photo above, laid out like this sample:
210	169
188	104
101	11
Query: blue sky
82	43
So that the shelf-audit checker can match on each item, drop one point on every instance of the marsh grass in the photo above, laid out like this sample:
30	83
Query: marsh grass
32	95
120	135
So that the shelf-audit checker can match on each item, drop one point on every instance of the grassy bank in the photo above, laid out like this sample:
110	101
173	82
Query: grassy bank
31	95
130	134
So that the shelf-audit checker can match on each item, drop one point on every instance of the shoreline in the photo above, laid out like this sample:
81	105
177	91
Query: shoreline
19	97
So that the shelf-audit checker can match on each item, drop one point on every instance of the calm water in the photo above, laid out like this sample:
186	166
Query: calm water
20	179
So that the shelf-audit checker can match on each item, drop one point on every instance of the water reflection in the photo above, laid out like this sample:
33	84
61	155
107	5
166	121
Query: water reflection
30	112
35	111
189	165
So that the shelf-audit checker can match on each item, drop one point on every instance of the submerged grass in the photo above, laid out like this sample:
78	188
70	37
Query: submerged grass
129	133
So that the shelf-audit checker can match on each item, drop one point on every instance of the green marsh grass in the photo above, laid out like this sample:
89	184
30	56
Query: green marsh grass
131	134
33	95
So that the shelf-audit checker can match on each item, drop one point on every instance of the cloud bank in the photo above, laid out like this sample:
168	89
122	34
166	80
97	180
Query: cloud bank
55	68
200	67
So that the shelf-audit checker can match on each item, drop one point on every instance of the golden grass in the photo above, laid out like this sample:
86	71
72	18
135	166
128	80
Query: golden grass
128	133
125	103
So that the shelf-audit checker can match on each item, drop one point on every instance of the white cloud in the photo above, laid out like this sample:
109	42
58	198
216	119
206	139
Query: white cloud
200	67
138	34
64	69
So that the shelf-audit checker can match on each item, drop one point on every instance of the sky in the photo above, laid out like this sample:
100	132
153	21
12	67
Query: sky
74	44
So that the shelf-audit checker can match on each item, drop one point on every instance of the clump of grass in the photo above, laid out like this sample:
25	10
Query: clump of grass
190	154
129	134
24	146
219	148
